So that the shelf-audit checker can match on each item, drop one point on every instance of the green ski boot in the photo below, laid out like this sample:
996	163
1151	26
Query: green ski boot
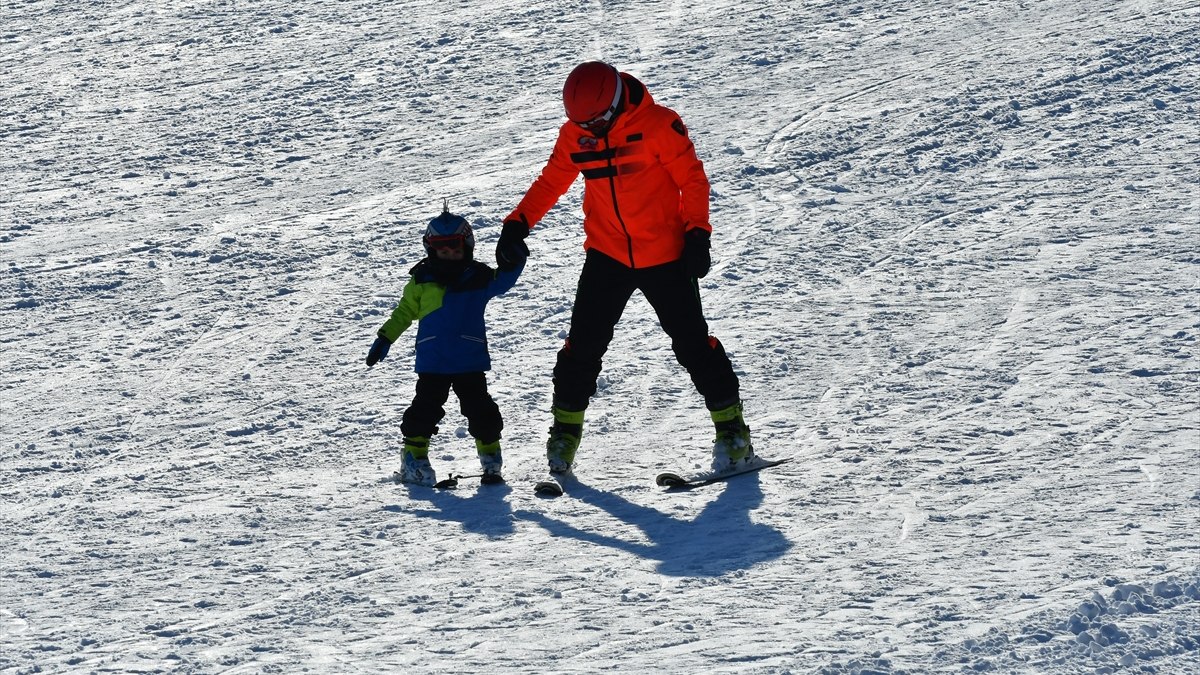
491	461
415	466
564	439
732	447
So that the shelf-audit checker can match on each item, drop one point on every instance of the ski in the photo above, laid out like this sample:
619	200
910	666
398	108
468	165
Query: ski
551	486
450	482
398	479
676	482
548	488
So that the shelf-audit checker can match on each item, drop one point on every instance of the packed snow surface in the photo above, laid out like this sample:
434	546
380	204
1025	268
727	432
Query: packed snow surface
957	267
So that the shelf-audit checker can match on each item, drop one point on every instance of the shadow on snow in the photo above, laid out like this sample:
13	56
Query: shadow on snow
721	539
485	511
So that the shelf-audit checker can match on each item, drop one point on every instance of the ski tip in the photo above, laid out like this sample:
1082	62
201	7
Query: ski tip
764	463
771	463
548	488
669	480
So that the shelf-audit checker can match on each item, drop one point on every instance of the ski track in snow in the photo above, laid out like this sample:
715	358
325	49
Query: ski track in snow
956	251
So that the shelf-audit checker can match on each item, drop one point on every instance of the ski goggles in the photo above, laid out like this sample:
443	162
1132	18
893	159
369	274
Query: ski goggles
454	242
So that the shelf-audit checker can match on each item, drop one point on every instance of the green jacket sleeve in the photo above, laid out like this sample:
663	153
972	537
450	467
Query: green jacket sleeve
406	312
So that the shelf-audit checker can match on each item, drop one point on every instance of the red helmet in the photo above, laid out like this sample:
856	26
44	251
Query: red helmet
592	96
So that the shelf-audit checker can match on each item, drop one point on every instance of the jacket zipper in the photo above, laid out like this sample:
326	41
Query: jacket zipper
612	186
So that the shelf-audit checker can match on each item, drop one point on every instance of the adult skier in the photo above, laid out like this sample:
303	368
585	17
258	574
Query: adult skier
645	217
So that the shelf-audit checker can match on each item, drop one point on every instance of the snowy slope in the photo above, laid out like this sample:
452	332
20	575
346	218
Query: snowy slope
957	250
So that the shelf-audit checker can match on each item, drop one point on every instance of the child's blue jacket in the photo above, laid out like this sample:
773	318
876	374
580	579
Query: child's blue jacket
451	336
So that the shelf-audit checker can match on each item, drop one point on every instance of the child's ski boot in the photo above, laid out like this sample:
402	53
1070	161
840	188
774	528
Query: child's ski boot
491	461
414	466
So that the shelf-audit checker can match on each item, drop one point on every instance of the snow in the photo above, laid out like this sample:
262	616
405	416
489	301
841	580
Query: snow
956	266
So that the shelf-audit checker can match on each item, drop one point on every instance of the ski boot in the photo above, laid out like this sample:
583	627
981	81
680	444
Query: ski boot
491	461
414	465
732	448
564	439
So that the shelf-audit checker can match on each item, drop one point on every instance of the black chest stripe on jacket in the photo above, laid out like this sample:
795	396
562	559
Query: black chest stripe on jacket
621	169
608	155
602	172
593	155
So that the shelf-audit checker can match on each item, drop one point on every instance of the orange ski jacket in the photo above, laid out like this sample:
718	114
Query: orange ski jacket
644	186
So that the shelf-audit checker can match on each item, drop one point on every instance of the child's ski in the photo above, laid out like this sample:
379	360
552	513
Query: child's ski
484	479
447	483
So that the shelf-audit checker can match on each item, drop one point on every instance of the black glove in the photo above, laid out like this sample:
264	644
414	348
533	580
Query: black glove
511	250
696	258
378	351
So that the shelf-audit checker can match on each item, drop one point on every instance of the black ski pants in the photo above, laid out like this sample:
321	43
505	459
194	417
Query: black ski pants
605	287
433	389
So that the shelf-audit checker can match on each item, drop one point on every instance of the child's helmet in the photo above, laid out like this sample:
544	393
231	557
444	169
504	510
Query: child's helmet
449	231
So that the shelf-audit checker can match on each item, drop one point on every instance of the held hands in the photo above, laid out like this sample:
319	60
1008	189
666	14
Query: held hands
378	351
696	257
511	250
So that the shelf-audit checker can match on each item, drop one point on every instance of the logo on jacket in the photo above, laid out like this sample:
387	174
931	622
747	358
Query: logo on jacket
589	142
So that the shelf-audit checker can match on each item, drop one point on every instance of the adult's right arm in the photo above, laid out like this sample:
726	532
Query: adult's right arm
556	178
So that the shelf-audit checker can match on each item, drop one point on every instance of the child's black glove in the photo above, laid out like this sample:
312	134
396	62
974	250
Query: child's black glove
378	351
696	257
511	250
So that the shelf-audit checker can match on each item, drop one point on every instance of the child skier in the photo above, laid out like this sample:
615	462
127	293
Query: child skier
447	294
